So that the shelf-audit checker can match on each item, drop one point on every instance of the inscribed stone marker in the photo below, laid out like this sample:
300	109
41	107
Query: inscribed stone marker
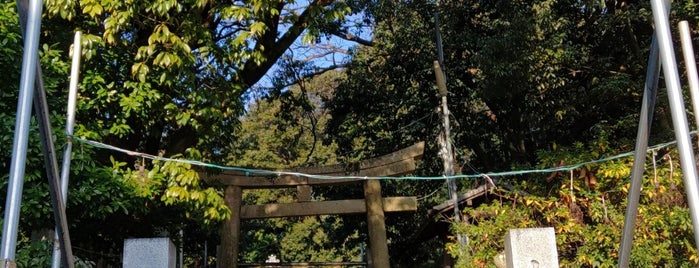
531	248
149	253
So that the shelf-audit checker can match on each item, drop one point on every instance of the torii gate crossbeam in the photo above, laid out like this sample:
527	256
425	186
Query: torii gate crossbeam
374	205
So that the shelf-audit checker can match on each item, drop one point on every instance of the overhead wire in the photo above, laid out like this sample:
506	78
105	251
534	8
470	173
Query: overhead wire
264	172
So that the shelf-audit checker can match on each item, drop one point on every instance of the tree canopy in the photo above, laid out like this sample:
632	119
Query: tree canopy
179	70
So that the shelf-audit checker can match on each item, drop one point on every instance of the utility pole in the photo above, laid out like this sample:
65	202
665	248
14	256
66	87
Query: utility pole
446	150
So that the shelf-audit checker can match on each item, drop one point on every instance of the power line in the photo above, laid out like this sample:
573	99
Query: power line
251	172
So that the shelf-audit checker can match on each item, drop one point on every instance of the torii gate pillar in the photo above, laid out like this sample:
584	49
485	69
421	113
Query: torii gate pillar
230	233
377	226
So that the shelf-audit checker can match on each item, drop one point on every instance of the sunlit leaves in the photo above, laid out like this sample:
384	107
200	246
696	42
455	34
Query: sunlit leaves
162	8
587	226
114	24
92	8
616	169
89	44
183	118
166	59
140	70
258	28
177	184
63	8
236	12
196	54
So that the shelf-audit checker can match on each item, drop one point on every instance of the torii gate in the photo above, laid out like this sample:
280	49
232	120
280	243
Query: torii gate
394	164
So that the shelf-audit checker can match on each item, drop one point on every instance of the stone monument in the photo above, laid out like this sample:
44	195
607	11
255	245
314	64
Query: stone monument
531	248
149	253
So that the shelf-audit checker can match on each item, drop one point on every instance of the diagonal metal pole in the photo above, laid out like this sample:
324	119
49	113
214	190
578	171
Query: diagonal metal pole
21	136
679	118
647	107
41	109
662	8
70	123
691	66
664	49
49	152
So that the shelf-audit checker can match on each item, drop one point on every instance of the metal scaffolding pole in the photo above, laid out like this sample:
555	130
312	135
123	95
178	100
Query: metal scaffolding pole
29	22
41	110
49	151
647	107
691	65
70	123
679	118
662	47
21	136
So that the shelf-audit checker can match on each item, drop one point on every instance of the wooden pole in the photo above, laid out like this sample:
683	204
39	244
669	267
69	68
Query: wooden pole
447	151
377	226
230	233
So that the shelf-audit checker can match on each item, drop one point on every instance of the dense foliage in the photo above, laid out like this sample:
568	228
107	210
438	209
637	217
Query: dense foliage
531	84
282	132
589	215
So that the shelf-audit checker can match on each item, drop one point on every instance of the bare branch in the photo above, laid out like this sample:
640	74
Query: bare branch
323	70
318	71
351	37
228	30
229	34
324	51
316	56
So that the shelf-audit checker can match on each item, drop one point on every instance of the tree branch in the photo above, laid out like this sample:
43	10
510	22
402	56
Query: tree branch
317	72
351	37
329	51
252	72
